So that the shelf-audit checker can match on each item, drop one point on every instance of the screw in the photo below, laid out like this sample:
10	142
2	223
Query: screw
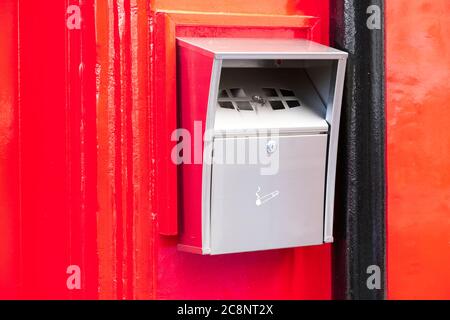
259	99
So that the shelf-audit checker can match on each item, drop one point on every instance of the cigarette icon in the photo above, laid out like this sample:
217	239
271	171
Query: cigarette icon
260	200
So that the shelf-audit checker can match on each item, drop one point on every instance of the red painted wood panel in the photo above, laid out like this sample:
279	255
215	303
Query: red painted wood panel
81	126
48	147
418	149
57	152
126	211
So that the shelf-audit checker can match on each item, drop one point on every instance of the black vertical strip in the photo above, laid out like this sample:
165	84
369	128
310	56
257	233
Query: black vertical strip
360	201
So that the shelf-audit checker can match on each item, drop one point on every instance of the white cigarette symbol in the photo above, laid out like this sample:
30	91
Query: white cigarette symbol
260	200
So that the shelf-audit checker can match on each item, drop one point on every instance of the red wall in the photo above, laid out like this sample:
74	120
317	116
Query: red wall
84	115
47	152
418	148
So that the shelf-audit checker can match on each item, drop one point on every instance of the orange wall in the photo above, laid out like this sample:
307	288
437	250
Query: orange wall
418	148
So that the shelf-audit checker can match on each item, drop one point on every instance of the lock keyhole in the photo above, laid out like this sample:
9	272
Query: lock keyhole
271	146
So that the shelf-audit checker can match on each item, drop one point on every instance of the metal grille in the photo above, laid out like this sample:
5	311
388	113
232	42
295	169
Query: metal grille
276	98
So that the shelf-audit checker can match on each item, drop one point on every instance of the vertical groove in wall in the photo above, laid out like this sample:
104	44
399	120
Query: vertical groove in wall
10	219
